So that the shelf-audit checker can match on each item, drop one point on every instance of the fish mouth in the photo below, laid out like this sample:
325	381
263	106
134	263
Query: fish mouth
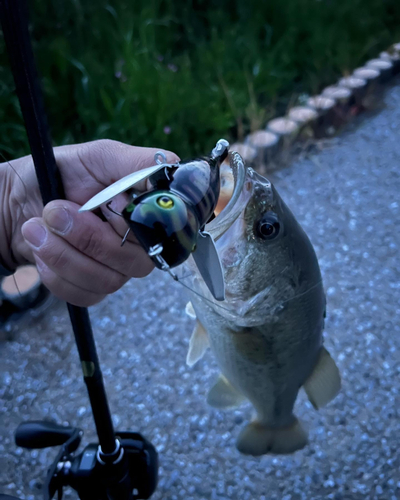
227	212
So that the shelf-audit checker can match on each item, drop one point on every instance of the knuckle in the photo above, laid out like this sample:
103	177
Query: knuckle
103	144
103	148
56	260
67	291
92	154
98	150
90	244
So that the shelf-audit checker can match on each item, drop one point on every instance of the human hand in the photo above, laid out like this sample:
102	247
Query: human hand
79	257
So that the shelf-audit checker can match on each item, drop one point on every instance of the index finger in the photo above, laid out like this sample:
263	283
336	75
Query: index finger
98	164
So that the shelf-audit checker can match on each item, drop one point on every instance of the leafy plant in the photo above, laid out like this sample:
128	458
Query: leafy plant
180	75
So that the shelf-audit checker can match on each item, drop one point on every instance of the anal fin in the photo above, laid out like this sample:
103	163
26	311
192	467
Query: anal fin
198	344
324	383
224	395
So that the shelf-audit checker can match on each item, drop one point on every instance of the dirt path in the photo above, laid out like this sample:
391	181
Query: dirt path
347	198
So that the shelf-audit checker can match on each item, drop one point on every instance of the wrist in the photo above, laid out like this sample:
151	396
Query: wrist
19	201
6	258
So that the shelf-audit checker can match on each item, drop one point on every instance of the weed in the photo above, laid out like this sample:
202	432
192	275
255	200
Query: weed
180	75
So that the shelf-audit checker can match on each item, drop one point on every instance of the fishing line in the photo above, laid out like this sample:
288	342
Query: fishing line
225	309
179	278
201	296
173	276
16	285
303	293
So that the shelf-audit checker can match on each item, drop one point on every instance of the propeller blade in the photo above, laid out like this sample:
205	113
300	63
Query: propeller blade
208	262
119	187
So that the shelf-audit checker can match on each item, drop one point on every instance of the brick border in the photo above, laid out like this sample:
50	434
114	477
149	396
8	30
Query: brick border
322	115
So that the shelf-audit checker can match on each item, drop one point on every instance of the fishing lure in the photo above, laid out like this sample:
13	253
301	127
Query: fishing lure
169	220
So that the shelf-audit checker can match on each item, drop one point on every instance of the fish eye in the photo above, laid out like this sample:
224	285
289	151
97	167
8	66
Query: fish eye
268	227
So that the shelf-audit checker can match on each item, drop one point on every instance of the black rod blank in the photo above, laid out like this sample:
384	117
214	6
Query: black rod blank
14	19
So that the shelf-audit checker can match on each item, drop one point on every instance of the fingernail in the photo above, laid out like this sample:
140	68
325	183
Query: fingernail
58	219
34	233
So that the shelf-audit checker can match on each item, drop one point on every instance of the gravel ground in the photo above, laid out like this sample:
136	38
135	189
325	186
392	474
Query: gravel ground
347	198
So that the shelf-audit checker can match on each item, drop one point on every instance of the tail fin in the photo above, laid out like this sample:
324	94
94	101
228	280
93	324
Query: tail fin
257	439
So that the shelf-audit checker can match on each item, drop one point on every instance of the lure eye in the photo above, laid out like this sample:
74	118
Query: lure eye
165	202
268	227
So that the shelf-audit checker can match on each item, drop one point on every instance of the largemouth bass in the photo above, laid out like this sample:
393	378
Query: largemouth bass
267	335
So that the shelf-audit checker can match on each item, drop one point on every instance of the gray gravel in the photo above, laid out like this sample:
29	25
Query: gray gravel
347	198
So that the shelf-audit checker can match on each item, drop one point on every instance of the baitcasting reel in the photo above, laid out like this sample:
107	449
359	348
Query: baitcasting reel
129	473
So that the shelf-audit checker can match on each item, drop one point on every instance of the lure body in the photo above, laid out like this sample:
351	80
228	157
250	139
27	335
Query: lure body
163	219
198	183
172	216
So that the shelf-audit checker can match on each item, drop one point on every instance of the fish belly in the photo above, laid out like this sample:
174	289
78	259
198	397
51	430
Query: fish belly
267	364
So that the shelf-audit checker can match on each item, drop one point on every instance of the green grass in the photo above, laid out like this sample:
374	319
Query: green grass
180	75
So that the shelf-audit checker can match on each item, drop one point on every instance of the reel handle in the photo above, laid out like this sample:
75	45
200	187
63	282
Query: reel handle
36	434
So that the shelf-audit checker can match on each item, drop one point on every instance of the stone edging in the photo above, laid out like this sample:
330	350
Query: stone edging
322	115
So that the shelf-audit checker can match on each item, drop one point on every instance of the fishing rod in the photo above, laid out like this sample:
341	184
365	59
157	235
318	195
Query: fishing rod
122	465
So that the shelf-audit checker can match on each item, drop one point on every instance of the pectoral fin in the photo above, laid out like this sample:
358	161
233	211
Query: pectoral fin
198	344
224	395
324	383
190	311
